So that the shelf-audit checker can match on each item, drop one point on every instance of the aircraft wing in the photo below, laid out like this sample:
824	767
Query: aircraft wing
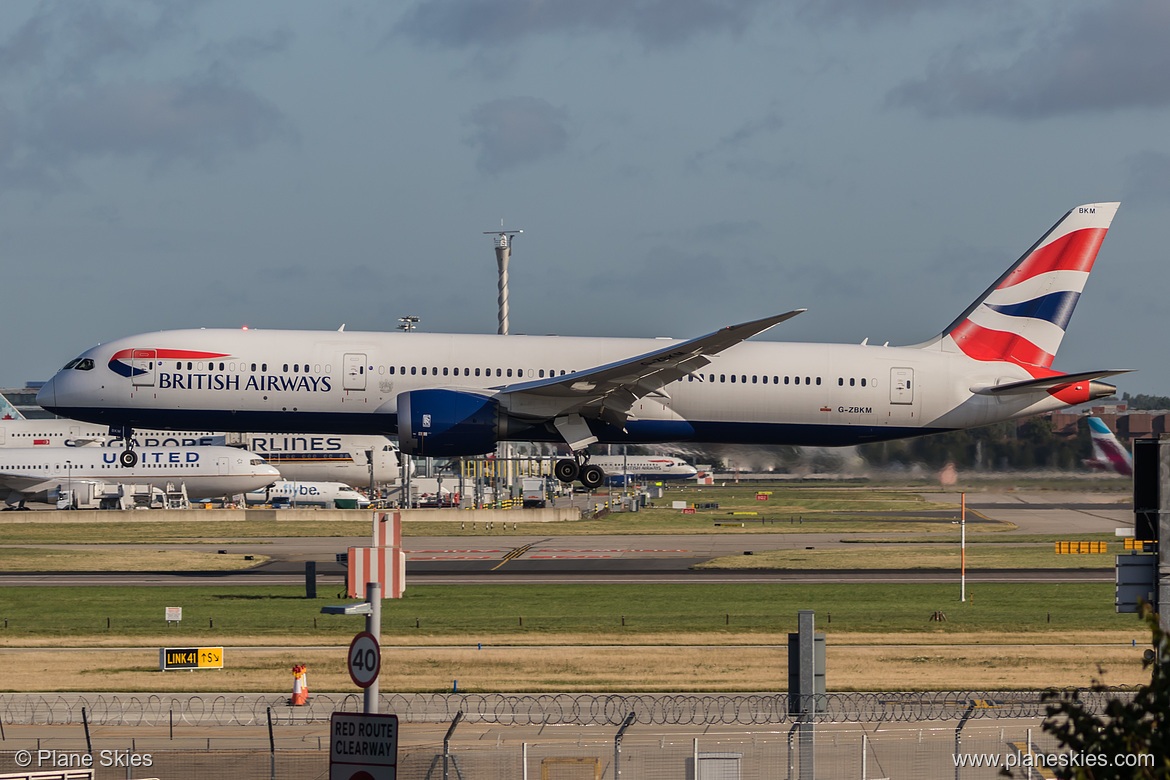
1045	384
25	483
607	392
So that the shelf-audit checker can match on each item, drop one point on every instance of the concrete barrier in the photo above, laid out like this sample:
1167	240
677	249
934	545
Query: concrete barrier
547	515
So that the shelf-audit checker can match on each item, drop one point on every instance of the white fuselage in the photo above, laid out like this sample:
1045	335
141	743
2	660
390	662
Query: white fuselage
312	494
348	382
301	457
644	466
206	472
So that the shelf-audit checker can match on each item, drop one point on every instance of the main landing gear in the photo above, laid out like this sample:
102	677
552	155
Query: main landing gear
569	469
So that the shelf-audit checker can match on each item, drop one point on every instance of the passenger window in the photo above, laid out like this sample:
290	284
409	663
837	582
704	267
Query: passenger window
444	371
413	370
509	372
499	372
818	381
424	370
852	381
863	381
477	372
733	379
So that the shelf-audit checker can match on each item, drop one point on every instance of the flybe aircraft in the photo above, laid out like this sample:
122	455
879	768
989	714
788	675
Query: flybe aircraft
451	395
207	472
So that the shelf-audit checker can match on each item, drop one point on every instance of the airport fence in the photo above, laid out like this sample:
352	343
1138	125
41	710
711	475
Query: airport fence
842	752
116	709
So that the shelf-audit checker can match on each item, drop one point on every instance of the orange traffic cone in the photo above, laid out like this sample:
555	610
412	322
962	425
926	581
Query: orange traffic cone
299	695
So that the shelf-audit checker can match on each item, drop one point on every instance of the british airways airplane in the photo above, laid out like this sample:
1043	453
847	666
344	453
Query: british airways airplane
451	395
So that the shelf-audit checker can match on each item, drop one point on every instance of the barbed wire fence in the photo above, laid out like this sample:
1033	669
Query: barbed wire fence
119	709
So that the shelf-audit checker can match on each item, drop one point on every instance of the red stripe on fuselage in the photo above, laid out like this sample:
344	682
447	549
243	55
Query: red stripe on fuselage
980	343
171	354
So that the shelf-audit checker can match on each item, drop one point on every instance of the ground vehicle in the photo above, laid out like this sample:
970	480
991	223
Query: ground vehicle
533	493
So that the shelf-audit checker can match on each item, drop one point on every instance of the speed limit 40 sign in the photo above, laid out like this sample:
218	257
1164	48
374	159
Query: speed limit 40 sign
365	659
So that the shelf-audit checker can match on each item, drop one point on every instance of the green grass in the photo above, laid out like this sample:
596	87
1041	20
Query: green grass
548	610
933	557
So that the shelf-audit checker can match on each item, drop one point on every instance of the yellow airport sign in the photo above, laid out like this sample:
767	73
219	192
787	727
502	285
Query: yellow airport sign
1080	548
170	658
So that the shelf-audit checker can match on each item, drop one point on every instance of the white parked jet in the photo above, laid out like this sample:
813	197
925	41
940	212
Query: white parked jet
454	395
301	457
309	494
639	467
207	472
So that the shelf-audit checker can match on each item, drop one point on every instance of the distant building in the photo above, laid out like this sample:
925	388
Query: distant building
25	400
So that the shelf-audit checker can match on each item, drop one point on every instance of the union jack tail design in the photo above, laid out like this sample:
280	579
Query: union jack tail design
1022	317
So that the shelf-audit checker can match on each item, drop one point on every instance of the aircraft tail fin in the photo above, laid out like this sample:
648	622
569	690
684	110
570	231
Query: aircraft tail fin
1108	453
1022	317
8	411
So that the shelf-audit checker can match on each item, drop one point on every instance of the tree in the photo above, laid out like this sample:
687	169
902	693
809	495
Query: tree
1137	727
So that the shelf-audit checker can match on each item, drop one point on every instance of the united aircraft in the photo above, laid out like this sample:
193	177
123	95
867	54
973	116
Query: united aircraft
453	395
207	472
298	456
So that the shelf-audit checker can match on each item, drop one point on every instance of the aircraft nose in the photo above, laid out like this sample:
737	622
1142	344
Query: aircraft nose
47	395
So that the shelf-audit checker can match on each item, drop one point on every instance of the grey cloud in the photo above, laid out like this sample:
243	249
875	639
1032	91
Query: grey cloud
1110	57
69	40
515	131
733	143
198	119
1148	177
500	23
836	11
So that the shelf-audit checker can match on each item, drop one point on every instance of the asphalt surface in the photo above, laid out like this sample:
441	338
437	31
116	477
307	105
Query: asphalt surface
502	559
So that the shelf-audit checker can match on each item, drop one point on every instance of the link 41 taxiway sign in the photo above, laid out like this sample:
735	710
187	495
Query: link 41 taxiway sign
363	747
365	660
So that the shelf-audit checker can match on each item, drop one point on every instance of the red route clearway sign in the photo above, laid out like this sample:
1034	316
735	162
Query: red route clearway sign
363	747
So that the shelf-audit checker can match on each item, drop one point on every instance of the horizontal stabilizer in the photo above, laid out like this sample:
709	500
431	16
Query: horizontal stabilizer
1046	383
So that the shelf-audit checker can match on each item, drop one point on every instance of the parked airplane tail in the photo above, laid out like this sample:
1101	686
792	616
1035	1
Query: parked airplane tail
1022	317
8	411
1108	452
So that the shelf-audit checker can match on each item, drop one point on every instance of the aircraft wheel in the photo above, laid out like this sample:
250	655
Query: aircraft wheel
566	470
592	477
128	458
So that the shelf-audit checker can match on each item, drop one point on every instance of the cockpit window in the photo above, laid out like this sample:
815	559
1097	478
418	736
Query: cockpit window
84	365
256	462
71	364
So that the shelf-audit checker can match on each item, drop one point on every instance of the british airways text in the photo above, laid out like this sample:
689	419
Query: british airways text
268	383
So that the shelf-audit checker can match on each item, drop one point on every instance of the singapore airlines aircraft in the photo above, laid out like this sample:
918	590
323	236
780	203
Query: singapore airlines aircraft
207	472
300	457
454	395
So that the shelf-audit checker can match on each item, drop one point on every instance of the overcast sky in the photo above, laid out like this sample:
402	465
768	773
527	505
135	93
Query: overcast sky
676	166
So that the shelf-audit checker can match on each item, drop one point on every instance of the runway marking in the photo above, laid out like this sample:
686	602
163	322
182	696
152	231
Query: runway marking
513	555
550	557
449	557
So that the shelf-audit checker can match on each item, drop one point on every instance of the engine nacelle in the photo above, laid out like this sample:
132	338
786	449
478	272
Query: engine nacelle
447	423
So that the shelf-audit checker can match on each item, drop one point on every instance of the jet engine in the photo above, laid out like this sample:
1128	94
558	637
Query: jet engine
447	423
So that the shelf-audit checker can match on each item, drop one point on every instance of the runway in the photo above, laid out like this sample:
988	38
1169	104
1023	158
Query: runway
517	559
